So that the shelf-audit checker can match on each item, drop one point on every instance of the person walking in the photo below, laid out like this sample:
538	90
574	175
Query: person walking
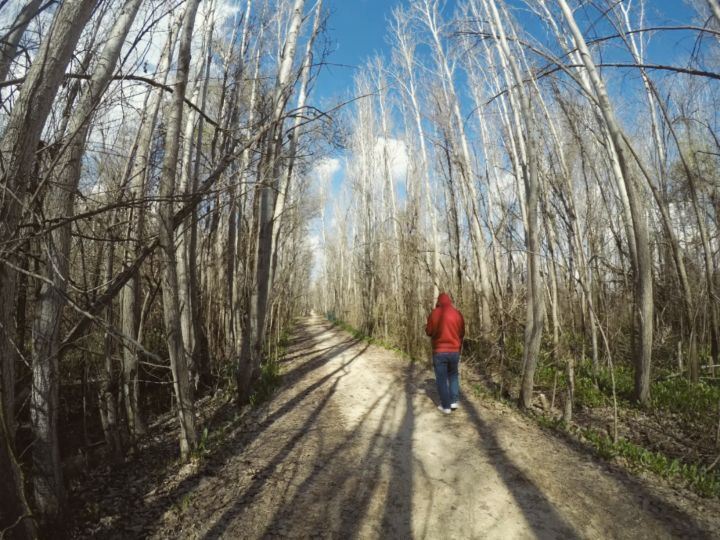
446	327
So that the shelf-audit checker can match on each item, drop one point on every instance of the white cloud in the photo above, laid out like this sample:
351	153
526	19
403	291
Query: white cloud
397	156
326	168
318	251
504	186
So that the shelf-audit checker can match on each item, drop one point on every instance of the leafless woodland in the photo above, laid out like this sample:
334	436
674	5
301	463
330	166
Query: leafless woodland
167	206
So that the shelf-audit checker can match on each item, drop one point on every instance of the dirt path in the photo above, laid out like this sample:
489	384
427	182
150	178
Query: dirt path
353	447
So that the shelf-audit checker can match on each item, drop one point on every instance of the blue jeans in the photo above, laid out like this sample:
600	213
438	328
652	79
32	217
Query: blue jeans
447	377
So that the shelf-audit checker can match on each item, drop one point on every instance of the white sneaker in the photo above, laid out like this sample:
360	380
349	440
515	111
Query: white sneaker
444	411
453	406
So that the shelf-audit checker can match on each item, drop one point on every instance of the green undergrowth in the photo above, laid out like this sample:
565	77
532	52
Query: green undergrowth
482	391
360	335
269	379
693	403
213	437
702	480
270	372
591	389
705	481
689	403
267	383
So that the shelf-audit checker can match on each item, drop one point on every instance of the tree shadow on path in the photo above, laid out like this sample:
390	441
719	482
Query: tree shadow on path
158	464
538	511
342	496
248	495
541	514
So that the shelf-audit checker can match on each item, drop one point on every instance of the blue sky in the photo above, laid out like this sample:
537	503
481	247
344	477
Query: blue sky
357	30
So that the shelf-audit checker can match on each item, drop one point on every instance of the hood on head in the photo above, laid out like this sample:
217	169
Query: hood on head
444	300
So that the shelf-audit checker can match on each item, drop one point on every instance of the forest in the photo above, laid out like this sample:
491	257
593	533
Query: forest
176	193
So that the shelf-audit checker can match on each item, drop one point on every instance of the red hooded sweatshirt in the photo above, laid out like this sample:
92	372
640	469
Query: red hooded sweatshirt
445	326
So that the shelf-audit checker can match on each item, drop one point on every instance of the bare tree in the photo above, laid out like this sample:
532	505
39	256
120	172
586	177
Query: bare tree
643	270
171	300
19	142
10	42
254	331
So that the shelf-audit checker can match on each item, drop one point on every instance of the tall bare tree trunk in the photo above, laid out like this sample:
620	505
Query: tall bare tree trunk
529	172
643	269
108	391
18	152
136	177
171	301
468	190
10	41
272	183
241	286
407	52
58	205
282	196
655	100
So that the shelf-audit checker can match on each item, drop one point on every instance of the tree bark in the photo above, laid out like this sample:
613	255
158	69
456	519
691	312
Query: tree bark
18	152
286	181
11	40
108	391
253	338
135	187
468	190
171	301
59	204
529	172
406	50
643	270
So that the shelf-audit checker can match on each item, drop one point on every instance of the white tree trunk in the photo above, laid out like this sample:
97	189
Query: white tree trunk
643	270
136	178
253	338
59	204
407	52
535	295
286	179
18	152
171	301
10	41
468	189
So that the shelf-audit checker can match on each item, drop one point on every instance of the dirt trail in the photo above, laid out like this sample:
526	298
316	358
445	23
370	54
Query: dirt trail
353	446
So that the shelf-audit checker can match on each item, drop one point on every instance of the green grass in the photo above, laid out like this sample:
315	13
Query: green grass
270	372
693	403
591	389
673	394
699	479
702	481
676	395
183	503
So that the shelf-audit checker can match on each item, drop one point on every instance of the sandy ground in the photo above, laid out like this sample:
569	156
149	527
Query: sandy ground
352	446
